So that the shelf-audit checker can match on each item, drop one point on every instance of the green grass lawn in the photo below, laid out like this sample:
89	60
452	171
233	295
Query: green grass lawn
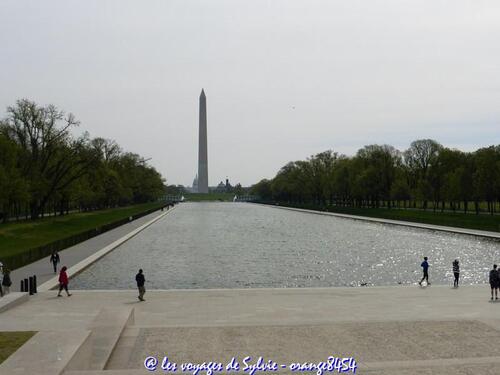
17	237
198	197
461	220
11	341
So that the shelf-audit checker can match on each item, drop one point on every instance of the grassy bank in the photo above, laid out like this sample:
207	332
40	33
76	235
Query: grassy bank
450	219
198	197
19	237
11	341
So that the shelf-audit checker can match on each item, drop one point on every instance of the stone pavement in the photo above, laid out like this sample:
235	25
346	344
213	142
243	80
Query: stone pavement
388	330
75	254
12	299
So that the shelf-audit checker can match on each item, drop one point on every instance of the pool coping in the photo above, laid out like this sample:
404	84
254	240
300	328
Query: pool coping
286	289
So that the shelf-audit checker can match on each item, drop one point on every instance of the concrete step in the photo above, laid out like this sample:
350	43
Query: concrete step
124	349
106	330
46	353
10	300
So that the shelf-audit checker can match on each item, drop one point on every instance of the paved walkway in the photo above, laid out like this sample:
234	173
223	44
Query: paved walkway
73	255
388	330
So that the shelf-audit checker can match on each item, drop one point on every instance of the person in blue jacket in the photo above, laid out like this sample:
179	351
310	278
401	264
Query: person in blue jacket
425	268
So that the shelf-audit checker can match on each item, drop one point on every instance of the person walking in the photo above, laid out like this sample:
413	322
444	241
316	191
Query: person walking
1	273
456	272
55	259
63	282
494	281
425	268
6	281
139	278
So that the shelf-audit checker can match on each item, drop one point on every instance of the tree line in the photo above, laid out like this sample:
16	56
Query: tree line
45	169
427	175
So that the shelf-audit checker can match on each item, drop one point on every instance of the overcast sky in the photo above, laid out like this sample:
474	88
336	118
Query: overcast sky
284	79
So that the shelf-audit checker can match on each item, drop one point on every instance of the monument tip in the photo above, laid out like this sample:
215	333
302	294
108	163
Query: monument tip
202	92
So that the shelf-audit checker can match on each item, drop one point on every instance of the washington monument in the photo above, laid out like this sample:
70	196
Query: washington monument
202	147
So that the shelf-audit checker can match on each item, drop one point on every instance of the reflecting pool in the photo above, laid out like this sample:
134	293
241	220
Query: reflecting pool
241	245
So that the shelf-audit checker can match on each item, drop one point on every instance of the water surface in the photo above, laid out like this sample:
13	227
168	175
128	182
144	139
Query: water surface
241	245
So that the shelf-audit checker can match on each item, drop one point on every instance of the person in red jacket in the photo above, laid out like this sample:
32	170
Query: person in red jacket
63	281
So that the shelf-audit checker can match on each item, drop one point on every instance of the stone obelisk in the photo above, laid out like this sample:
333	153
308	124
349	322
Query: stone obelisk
202	147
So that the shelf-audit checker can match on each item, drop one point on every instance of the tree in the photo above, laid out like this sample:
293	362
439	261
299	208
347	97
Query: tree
342	181
263	190
379	169
486	176
419	158
448	177
381	174
175	190
238	190
50	159
321	174
44	167
13	187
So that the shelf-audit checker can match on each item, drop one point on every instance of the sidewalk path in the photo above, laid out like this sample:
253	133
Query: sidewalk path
72	255
388	330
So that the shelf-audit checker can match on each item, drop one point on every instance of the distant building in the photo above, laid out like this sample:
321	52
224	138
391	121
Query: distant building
223	187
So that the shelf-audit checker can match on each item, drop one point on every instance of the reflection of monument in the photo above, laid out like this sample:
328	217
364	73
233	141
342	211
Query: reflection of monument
202	147
194	189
